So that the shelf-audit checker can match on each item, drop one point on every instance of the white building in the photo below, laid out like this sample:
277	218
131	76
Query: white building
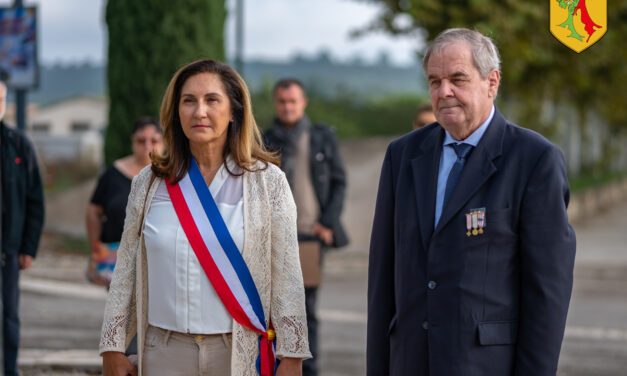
71	129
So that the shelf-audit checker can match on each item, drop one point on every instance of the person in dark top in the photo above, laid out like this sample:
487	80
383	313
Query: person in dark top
22	222
311	160
106	212
424	116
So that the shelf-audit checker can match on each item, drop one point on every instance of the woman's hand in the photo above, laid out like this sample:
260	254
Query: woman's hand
116	364
290	367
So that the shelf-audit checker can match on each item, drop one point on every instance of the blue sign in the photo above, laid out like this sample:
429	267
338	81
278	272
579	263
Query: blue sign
18	47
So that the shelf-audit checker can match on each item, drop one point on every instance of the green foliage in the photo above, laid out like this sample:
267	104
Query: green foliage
536	67
148	41
585	181
60	176
75	244
350	115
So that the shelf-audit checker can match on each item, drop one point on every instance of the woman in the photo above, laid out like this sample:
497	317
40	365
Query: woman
105	213
162	291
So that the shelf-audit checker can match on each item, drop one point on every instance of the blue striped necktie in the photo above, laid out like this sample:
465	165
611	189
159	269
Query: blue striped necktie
462	151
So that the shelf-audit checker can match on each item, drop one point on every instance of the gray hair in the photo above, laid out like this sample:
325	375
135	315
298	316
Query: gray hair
485	55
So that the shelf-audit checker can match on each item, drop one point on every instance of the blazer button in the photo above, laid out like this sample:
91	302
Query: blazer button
425	325
432	285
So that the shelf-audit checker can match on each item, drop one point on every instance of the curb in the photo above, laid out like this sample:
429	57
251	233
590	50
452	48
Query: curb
589	202
70	360
57	288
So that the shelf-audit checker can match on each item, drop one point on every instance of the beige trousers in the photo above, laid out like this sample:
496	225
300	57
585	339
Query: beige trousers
179	354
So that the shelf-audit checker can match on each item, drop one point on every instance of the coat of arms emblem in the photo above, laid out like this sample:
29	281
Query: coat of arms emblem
578	24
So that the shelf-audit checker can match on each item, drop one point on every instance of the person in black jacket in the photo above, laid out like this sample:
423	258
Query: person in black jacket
22	222
311	160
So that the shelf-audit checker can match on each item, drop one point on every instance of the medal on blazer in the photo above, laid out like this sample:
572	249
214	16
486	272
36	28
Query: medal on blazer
468	223
481	220
222	261
475	222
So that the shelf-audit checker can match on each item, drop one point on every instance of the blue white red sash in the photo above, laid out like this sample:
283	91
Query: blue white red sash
222	261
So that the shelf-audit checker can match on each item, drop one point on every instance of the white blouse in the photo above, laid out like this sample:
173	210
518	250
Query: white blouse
180	296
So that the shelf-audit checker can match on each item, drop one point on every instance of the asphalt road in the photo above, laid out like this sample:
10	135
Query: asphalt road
61	312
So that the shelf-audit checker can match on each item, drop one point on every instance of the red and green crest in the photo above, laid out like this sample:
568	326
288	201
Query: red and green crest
578	24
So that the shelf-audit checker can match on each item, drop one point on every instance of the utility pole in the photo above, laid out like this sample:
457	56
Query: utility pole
239	37
20	94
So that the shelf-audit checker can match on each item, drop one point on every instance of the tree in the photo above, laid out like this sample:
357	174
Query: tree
148	41
536	67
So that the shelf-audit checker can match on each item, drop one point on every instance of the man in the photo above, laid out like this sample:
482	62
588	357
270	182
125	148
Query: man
22	222
310	158
471	255
424	116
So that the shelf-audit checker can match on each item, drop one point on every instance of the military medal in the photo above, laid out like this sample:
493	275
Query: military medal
481	220
468	223
475	221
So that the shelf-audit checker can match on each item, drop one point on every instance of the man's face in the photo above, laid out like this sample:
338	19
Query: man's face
460	97
289	104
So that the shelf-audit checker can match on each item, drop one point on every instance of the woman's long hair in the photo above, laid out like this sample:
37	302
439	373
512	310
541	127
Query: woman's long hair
244	142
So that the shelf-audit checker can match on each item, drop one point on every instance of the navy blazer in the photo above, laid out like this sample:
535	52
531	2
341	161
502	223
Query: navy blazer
441	303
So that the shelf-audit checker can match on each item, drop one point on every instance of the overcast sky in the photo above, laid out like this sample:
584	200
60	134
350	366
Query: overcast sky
74	30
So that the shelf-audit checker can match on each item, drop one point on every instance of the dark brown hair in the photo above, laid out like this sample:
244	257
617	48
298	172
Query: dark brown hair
146	121
286	83
243	143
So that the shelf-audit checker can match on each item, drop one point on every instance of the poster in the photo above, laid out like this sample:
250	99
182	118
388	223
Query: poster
18	47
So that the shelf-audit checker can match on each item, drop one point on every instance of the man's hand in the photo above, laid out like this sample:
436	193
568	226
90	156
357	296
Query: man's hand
116	364
290	367
25	261
323	233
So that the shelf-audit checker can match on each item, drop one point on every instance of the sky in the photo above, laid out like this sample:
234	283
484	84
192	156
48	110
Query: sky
74	31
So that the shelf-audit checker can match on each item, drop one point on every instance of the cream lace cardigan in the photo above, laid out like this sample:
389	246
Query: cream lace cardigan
270	251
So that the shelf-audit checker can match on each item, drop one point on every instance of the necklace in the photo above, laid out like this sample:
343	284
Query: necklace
212	172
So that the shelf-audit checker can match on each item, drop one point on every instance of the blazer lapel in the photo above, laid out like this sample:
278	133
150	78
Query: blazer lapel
479	168
425	172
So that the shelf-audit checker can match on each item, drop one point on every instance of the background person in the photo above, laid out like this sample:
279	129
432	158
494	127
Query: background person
159	288
471	255
107	209
22	223
424	116
311	160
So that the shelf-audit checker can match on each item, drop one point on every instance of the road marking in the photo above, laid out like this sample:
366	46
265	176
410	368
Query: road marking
69	358
342	316
605	334
85	291
67	289
574	332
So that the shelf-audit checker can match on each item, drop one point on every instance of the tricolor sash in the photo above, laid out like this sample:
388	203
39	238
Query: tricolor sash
222	261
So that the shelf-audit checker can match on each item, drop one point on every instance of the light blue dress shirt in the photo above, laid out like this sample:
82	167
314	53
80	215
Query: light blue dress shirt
448	158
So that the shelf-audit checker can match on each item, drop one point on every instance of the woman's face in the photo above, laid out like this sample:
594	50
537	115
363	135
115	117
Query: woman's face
146	140
204	109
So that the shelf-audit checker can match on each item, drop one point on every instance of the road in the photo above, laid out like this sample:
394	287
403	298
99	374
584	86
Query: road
60	312
596	336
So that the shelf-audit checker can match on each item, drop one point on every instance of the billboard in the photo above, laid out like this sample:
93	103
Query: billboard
18	47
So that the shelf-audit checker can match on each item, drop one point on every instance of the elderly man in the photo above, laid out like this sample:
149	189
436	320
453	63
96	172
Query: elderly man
471	256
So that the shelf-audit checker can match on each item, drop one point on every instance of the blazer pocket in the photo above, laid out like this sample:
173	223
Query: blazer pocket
392	325
497	332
